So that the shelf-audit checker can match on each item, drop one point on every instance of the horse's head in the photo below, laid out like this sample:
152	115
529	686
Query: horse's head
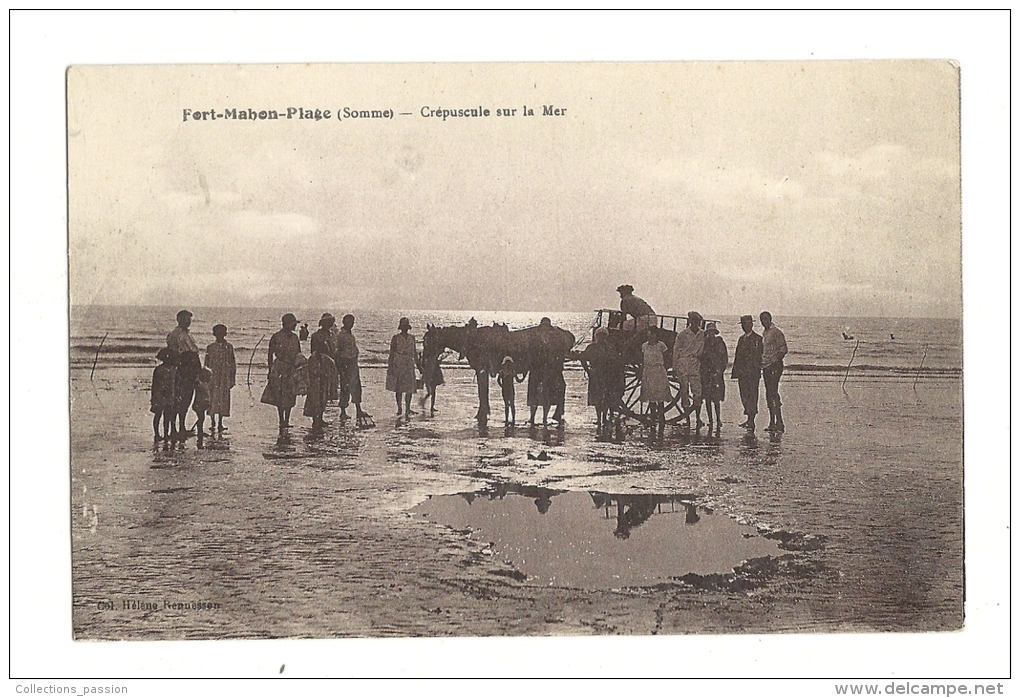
432	344
436	340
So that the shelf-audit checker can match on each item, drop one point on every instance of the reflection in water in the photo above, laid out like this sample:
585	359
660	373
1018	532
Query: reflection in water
634	510
598	540
322	448
542	496
550	436
749	443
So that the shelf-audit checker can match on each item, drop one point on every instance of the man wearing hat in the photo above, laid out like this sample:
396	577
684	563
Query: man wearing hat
185	351
687	350
747	369
636	307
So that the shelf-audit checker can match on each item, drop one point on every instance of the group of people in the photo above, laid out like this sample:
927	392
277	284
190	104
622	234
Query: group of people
698	359
330	372
180	382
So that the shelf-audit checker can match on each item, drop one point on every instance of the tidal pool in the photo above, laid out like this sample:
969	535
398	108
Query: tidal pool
597	540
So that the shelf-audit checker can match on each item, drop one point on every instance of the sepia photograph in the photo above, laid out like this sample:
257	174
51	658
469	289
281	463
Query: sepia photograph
510	345
517	349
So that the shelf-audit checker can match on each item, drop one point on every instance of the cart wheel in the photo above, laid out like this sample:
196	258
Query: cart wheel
631	405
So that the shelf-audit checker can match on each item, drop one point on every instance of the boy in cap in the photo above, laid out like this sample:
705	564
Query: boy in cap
161	400
747	369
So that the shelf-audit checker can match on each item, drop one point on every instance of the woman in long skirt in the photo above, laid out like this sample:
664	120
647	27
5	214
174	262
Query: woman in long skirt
284	361
654	382
321	372
605	376
401	378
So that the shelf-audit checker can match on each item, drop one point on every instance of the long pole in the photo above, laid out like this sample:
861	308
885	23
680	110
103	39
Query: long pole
96	360
856	344
253	357
923	357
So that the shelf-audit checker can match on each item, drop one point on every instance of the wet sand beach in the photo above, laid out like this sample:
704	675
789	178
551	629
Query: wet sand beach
850	521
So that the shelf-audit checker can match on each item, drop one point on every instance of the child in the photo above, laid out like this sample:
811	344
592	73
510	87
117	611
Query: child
219	358
202	401
506	377
432	378
714	361
163	405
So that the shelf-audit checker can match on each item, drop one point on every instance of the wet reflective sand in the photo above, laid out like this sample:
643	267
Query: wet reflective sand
316	534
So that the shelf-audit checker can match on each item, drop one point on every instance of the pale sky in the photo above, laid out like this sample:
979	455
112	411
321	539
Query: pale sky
810	188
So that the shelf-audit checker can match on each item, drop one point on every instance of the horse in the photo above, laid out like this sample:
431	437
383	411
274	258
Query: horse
542	346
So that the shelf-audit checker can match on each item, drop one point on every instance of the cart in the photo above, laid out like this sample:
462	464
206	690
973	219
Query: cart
627	339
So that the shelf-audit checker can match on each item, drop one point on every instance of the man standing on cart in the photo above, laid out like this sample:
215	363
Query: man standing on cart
637	308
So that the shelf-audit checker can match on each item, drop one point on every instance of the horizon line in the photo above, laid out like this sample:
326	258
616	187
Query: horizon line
501	310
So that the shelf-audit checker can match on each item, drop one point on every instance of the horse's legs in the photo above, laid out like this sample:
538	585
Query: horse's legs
482	378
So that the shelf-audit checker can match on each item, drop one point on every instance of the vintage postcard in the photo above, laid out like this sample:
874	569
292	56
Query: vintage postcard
515	349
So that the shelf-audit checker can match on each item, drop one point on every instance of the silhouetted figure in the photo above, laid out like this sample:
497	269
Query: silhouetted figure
506	378
654	381
714	361
773	351
400	370
284	360
161	399
432	378
183	345
321	372
605	370
642	313
687	350
349	372
219	358
747	369
203	389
